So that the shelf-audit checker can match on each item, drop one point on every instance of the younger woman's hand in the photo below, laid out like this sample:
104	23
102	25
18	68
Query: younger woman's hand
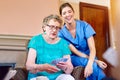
88	70
101	64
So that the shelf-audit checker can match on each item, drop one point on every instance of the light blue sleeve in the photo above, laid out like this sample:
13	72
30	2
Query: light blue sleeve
89	31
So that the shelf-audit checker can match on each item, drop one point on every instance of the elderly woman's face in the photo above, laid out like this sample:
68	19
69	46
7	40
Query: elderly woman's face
52	28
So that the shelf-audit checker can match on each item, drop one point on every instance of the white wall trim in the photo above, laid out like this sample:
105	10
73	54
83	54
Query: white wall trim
13	42
14	36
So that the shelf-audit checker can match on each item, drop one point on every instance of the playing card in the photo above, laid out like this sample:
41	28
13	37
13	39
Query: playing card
59	60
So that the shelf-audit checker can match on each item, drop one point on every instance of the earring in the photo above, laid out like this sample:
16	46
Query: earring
45	32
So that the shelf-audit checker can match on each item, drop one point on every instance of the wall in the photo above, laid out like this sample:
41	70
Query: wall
115	16
24	17
75	4
13	49
98	2
19	20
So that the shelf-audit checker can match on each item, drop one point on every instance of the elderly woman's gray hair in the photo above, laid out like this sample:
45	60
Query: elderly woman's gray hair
52	16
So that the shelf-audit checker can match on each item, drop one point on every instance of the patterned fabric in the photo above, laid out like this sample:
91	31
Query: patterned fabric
22	74
78	73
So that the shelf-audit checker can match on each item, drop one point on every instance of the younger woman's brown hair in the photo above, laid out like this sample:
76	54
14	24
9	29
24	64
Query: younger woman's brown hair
63	6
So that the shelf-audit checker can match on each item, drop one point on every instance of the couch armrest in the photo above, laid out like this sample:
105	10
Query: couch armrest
78	73
21	74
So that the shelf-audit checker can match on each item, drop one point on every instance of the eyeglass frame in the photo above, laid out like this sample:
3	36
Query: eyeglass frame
53	27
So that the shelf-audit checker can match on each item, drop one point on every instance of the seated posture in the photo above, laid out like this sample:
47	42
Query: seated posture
47	47
79	35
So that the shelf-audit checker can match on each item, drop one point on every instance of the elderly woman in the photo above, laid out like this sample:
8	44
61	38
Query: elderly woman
47	47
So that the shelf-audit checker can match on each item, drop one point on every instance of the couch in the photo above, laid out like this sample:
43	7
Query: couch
78	73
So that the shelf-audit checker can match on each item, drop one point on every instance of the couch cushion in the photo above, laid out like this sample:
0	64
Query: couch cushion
21	74
78	73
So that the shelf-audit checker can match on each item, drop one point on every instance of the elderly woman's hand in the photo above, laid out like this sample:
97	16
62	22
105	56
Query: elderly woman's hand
45	67
49	68
62	65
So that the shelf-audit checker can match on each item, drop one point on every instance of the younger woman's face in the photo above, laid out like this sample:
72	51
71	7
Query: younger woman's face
67	14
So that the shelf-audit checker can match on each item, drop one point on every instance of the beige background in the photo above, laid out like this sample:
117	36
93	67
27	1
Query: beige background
24	17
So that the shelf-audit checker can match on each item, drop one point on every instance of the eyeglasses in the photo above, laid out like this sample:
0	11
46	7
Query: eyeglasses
53	27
